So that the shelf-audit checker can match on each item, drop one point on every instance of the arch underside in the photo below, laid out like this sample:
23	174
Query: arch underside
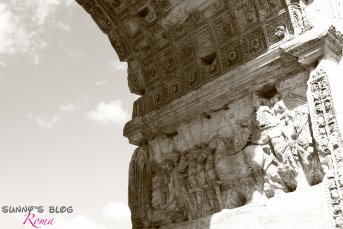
174	47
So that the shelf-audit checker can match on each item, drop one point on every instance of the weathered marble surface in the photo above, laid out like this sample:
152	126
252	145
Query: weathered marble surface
260	147
305	209
239	106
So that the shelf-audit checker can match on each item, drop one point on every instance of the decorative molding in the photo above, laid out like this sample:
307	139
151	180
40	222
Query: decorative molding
328	141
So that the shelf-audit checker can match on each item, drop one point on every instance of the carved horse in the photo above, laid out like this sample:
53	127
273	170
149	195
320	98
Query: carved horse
235	168
253	160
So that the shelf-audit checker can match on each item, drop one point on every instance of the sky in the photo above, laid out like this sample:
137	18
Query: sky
64	101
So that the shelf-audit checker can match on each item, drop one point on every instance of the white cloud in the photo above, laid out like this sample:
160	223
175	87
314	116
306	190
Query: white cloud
46	122
101	82
71	107
117	211
63	26
14	36
68	108
24	25
42	9
117	65
111	113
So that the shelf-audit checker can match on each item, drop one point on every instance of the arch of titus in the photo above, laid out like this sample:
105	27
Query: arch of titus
238	120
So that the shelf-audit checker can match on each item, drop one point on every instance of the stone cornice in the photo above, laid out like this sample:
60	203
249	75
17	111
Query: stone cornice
172	51
269	68
213	96
236	80
314	44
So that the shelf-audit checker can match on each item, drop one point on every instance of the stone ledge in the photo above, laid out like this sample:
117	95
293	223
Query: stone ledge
267	69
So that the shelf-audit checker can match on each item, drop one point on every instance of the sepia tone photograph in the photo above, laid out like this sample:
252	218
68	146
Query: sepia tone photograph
171	114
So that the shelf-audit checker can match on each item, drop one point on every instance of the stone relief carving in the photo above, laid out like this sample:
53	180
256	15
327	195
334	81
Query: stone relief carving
224	160
277	140
298	16
328	140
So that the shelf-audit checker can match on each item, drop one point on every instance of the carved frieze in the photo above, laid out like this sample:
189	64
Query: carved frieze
264	145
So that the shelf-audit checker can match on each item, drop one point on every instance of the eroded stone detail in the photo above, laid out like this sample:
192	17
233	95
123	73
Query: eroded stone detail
298	16
328	140
268	138
232	158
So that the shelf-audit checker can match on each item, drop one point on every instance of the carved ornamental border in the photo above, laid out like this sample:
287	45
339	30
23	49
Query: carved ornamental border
328	140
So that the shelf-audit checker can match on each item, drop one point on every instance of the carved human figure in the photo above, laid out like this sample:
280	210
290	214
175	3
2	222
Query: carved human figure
330	115
211	176
158	192
301	139
271	131
326	159
180	186
315	91
207	192
328	104
166	194
318	107
188	167
194	187
174	208
308	157
201	170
